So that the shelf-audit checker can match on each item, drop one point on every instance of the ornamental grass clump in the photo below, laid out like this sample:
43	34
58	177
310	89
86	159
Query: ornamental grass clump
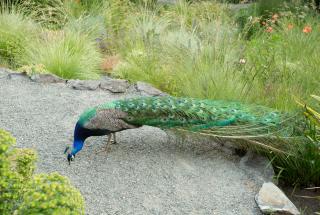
69	55
16	32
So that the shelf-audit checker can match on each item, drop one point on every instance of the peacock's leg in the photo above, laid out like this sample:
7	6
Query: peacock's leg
107	147
114	138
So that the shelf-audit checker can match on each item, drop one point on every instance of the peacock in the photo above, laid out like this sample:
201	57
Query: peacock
217	118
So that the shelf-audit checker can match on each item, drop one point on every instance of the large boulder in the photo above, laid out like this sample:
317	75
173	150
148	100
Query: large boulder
271	200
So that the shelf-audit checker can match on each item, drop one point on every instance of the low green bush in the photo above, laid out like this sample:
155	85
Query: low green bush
51	194
21	192
10	182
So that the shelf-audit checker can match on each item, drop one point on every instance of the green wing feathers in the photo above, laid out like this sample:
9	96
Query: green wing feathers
211	117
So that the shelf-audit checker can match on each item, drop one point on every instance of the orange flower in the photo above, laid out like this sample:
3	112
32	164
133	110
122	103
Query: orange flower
290	26
269	29
307	29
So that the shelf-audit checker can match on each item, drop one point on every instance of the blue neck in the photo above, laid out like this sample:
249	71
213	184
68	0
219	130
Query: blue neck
79	137
81	134
77	146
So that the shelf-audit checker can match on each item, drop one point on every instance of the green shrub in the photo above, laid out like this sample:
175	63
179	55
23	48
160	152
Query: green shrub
33	69
51	194
20	193
68	55
10	182
25	162
16	33
49	13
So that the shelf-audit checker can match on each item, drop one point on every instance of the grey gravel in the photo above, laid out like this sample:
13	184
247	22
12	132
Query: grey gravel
148	172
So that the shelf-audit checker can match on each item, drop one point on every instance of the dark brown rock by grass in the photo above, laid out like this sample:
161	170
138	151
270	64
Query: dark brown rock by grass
83	85
47	78
18	76
115	85
148	89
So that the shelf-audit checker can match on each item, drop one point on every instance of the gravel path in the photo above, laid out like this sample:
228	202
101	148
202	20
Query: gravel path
148	172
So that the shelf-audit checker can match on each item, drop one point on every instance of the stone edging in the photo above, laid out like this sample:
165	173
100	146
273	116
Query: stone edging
105	83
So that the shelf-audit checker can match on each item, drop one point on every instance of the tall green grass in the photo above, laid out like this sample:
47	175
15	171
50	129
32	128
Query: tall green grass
16	32
49	13
70	52
185	56
302	164
284	63
67	55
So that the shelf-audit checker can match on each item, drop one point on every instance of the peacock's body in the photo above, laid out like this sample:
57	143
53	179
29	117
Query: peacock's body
209	117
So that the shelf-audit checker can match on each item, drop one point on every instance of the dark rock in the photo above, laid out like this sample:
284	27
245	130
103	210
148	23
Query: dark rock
18	76
271	200
257	165
47	78
114	85
230	147
147	89
84	85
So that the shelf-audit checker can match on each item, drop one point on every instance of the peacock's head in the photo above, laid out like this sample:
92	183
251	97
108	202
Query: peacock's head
70	155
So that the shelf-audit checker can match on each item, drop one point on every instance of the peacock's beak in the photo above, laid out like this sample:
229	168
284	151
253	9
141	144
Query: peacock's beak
69	160
70	157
